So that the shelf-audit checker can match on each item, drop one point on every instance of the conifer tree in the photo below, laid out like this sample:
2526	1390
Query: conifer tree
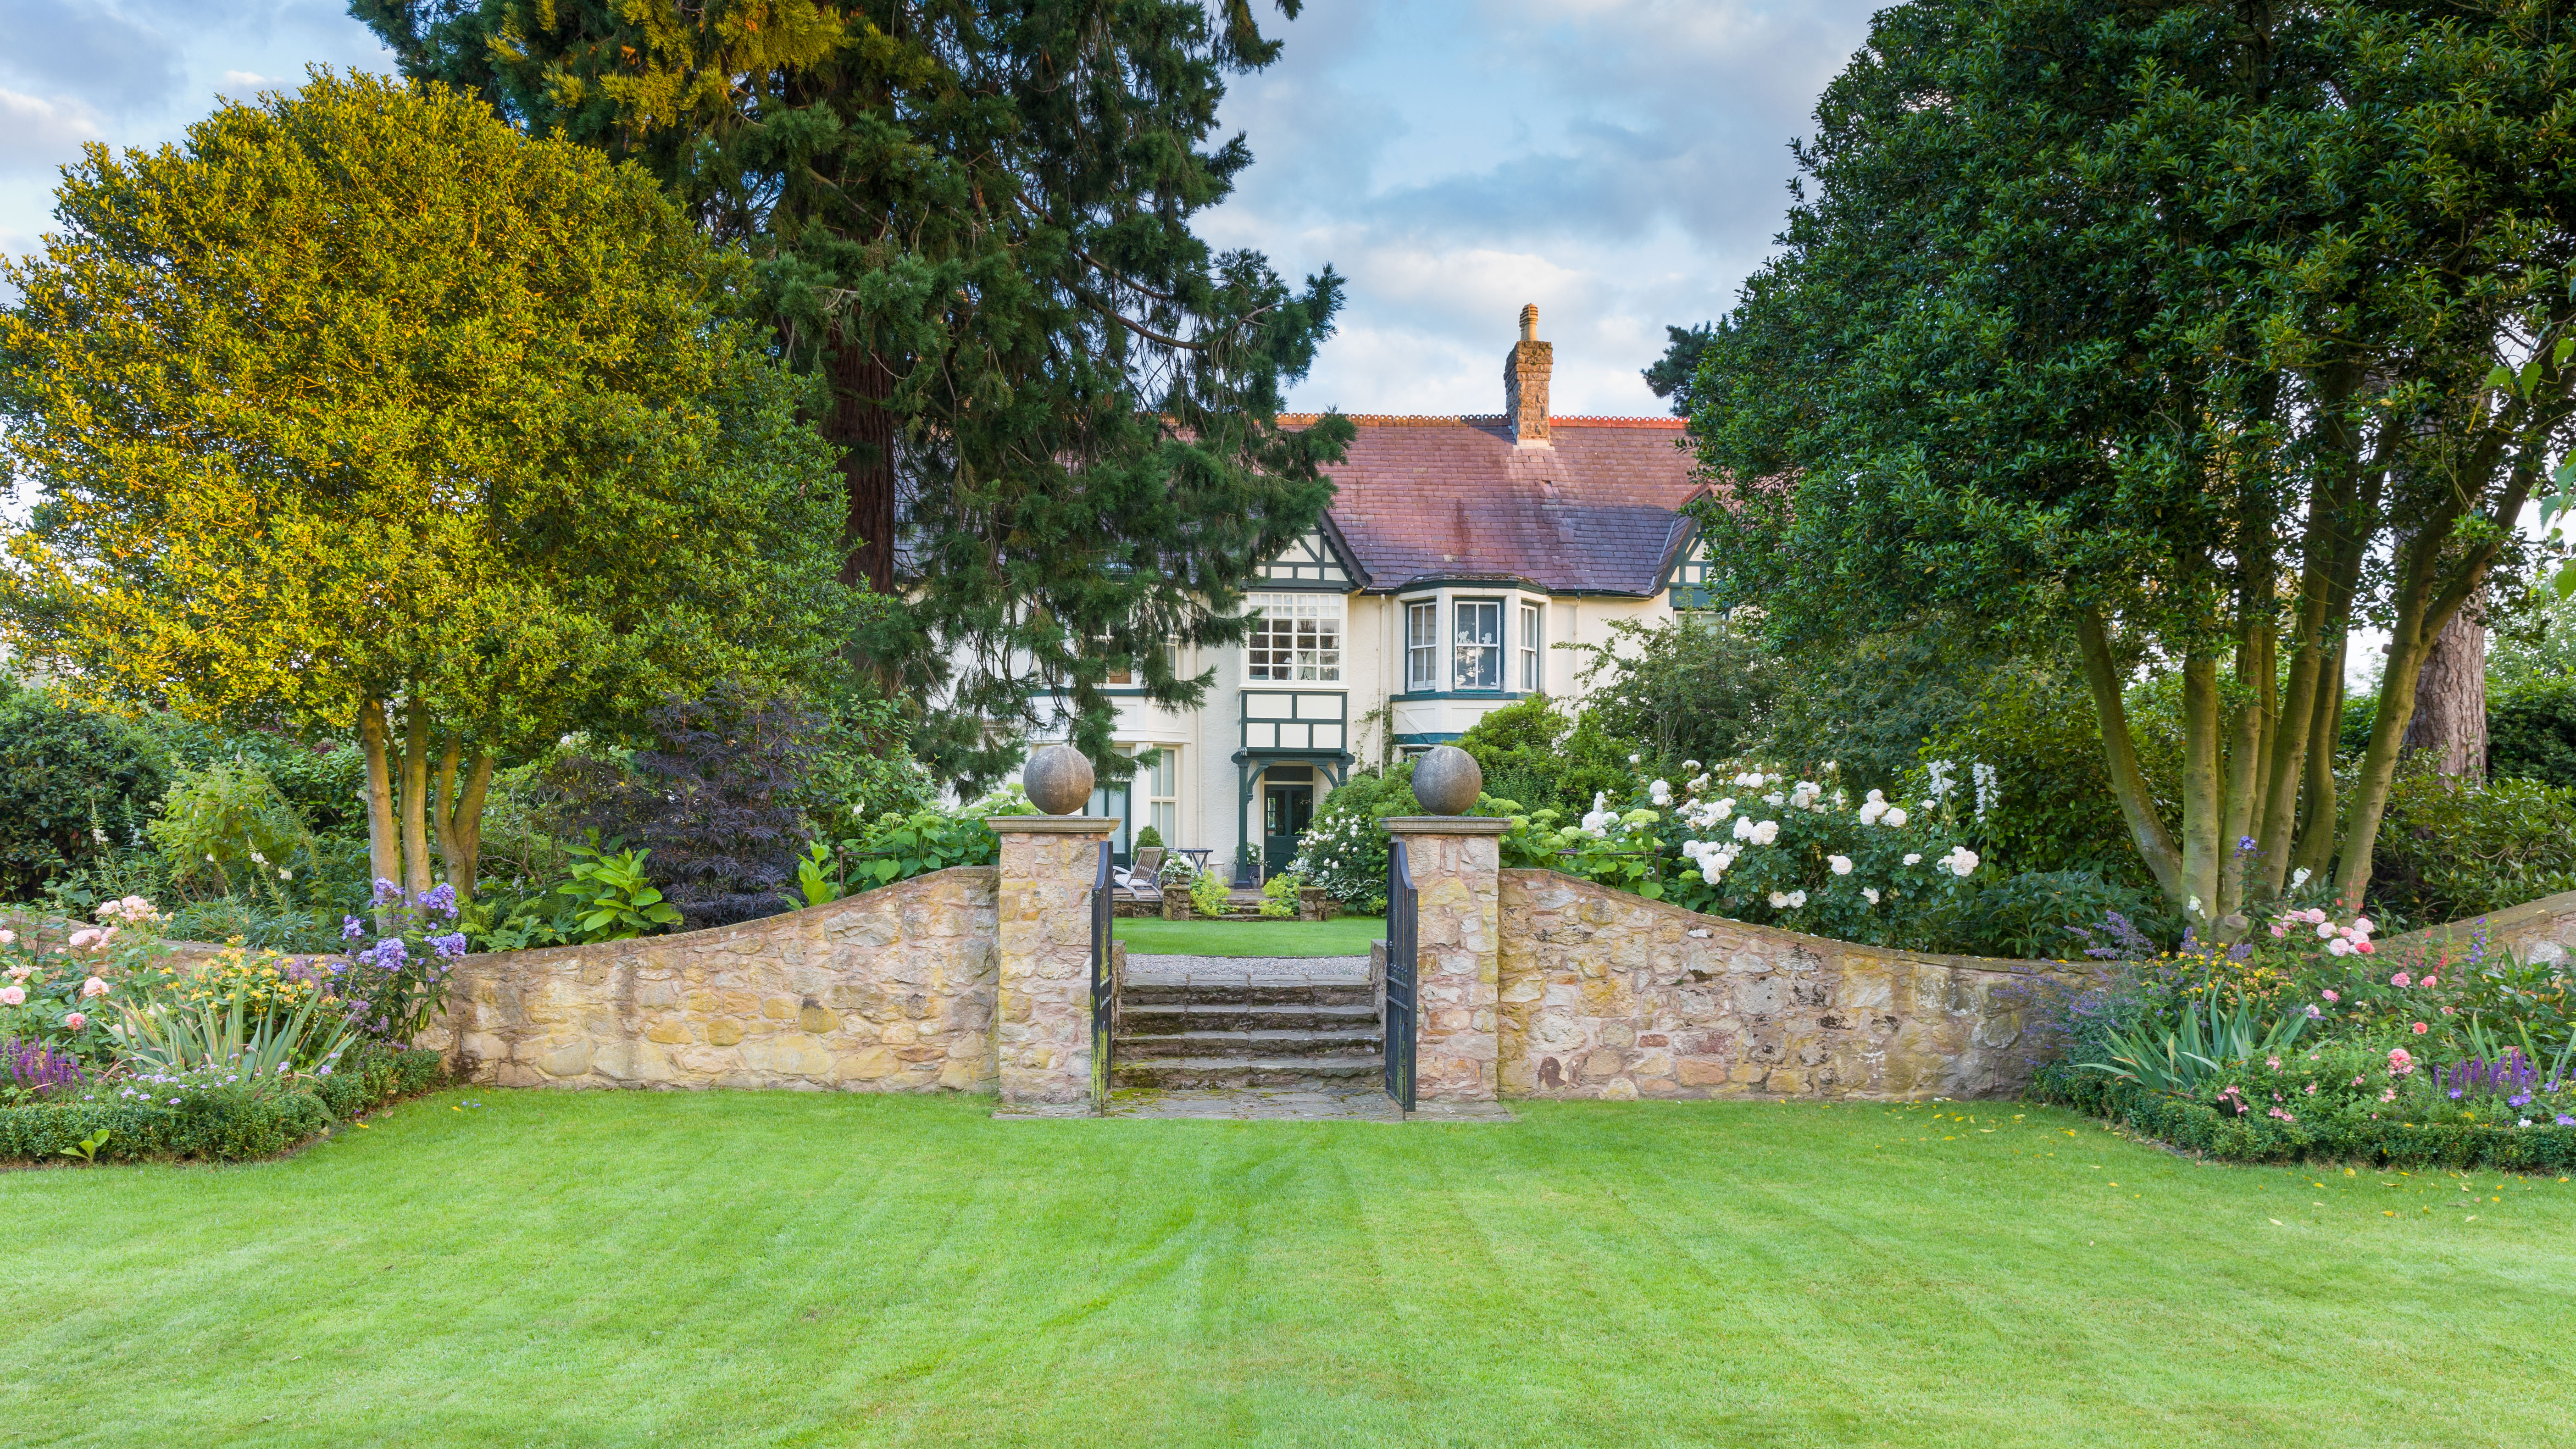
1058	404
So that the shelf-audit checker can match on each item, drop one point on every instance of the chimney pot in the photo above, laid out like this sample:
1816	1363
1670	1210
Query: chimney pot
1525	375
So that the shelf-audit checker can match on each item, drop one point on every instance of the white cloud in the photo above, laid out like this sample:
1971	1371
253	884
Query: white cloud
38	133
247	80
1622	163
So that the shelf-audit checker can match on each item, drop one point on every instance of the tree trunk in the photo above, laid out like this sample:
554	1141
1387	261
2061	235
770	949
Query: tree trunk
458	813
384	856
864	431
415	801
2128	783
2450	719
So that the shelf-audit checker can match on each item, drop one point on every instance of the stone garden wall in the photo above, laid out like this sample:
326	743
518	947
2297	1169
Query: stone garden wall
1609	995
892	990
2544	929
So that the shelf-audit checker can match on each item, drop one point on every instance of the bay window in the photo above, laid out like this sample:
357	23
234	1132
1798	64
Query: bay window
1477	644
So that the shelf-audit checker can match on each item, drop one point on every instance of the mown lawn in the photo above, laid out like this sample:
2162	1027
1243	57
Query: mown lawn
1347	936
754	1269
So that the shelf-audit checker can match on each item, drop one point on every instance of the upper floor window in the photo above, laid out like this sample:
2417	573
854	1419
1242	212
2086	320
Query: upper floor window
1422	646
1478	651
1529	642
1297	641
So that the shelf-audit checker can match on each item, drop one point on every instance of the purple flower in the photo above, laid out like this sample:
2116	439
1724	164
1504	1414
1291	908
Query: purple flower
448	946
387	893
440	899
351	928
2566	1121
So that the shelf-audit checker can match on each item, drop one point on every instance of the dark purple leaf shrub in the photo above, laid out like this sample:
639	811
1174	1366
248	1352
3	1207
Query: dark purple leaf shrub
712	797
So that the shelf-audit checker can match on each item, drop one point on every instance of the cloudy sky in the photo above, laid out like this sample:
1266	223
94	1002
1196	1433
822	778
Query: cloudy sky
1618	162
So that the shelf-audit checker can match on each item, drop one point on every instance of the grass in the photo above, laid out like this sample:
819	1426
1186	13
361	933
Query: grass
1347	936
783	1269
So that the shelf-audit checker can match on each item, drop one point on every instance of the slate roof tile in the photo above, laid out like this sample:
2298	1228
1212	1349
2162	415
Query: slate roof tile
1452	497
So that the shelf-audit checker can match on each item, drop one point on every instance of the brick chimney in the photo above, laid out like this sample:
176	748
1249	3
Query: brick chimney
1525	384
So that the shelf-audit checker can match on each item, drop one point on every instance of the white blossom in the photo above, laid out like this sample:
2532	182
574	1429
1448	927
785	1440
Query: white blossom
2299	877
1661	792
1914	857
1779	902
1895	817
1961	861
1766	832
1797	900
1842	864
1775	798
1870	893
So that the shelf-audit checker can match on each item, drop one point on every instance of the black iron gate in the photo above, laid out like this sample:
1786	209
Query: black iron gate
1402	948
1104	982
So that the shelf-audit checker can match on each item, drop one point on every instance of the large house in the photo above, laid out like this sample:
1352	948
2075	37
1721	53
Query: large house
1458	550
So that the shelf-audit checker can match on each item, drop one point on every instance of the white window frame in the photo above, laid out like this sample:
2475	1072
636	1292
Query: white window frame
1462	648
1533	627
1308	651
1163	793
1422	645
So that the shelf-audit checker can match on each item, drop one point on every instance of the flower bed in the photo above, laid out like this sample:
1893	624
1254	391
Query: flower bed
2389	1140
2311	1039
215	1121
114	1044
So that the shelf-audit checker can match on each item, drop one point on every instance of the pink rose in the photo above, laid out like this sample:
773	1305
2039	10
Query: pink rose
75	1021
2365	948
2429	982
13	995
2400	1061
8	938
2330	996
82	940
2324	929
2421	1028
93	987
2400	979
2363	925
2279	930
2447	1010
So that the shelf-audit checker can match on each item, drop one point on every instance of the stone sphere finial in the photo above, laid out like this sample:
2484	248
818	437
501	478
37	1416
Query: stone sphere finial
1058	778
1447	780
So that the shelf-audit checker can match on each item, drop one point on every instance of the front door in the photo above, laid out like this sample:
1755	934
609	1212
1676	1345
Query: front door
1286	811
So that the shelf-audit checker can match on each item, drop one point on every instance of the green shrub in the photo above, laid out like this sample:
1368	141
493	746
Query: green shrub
1208	893
217	1126
2449	851
1148	838
2531	732
1279	895
2055	810
75	785
2389	1140
1535	753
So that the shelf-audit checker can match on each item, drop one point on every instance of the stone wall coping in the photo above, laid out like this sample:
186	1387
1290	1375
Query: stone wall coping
2497	923
1445	825
1820	945
758	926
1050	824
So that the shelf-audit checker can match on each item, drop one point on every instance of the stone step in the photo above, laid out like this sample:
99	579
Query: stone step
1135	994
1317	1073
1163	1018
1288	1047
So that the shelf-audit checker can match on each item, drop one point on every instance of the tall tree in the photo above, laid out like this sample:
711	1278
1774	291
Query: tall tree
362	411
2177	325
1058	406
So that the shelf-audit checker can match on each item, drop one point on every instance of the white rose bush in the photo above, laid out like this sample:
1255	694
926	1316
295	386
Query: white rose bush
1756	843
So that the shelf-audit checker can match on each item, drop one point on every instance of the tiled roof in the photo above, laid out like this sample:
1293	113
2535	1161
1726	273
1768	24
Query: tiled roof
1451	497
